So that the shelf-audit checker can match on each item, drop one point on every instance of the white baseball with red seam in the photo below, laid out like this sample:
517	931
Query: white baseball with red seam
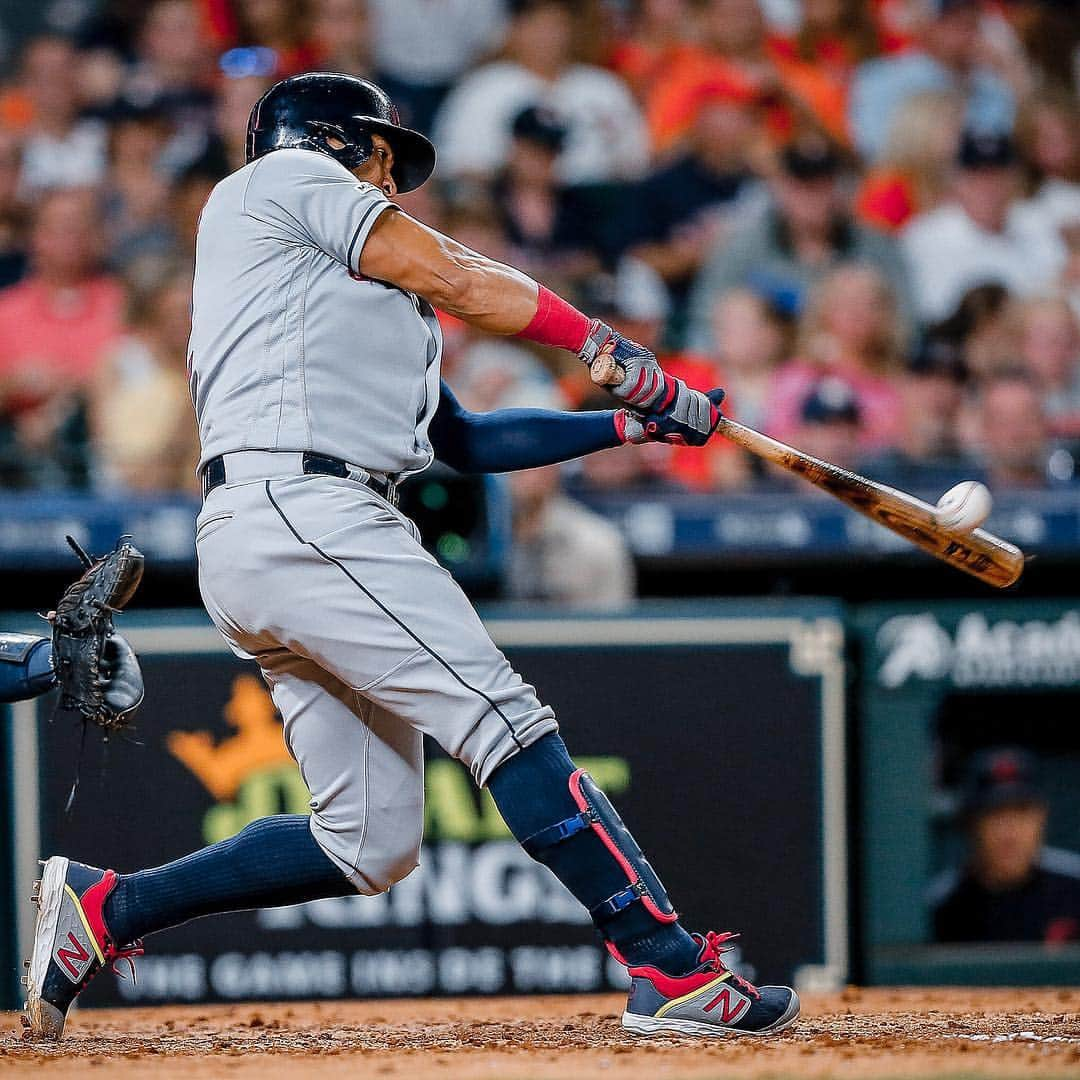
964	507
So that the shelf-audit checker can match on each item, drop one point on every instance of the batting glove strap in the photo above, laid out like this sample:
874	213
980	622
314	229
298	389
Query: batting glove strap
689	420
598	336
629	427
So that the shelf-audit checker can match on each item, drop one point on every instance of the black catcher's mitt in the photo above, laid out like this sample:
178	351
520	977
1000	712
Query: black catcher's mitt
98	674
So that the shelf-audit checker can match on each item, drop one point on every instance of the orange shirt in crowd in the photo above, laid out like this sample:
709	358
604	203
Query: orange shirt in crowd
672	103
60	333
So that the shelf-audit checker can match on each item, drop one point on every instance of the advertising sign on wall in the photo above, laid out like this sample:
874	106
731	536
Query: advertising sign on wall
725	758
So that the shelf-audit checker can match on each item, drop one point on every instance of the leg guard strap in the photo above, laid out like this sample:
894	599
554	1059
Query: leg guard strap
597	813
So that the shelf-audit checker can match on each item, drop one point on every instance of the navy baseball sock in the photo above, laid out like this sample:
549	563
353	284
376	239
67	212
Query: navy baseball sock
532	791
273	862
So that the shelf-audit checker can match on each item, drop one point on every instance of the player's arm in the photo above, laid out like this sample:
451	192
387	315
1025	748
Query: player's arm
510	439
501	300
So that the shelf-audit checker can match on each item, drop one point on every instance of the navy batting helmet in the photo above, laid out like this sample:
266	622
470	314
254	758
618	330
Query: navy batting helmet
307	111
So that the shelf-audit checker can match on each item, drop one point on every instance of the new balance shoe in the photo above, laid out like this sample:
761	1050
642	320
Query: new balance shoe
71	942
711	1000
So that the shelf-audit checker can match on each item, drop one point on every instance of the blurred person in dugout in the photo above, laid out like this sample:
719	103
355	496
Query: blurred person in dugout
140	409
55	327
806	230
563	552
1012	886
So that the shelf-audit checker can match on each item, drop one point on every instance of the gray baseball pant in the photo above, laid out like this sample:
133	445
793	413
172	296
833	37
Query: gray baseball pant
367	644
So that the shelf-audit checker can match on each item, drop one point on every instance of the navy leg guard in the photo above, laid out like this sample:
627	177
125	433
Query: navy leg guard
26	669
597	813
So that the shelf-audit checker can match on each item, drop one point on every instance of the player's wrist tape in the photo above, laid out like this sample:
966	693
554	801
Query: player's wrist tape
597	813
556	323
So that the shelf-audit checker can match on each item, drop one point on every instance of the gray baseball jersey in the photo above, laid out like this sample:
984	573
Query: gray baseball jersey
291	347
365	641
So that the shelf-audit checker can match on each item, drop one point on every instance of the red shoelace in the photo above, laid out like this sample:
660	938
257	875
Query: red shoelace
712	952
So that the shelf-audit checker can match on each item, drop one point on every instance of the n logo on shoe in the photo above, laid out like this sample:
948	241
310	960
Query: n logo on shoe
69	957
730	1010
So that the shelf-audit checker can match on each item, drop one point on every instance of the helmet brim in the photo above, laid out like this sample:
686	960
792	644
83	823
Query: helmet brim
414	155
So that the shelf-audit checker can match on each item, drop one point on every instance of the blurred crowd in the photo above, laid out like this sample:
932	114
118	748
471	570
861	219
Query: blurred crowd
861	217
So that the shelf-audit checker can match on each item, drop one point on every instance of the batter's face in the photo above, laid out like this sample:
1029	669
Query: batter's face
376	170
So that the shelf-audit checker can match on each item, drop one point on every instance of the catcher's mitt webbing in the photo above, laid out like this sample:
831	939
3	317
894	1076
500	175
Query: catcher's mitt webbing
82	625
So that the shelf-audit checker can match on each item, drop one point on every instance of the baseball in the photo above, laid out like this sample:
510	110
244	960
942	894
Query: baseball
964	507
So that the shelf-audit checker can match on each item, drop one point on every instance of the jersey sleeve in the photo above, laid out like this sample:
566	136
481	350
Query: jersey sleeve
308	198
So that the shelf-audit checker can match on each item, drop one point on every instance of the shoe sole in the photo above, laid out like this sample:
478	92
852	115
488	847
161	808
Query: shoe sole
45	1021
637	1024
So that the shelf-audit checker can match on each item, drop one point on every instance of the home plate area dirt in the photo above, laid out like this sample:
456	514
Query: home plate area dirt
857	1033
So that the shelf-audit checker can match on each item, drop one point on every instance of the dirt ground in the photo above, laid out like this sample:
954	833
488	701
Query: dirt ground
858	1033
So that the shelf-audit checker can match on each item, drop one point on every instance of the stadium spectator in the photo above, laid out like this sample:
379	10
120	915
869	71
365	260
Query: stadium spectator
984	233
222	146
928	456
139	405
60	149
753	339
54	328
136	190
1050	350
173	63
694	200
1049	133
850	331
280	25
913	174
984	326
830	426
834	35
562	551
656	43
735	52
12	212
1012	887
806	231
948	56
606	137
56	324
1014	438
422	49
342	34
549	227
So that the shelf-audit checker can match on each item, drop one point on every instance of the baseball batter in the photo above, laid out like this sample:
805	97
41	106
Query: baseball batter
314	365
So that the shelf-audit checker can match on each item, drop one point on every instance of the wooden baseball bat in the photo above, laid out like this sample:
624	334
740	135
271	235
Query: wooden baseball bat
979	553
